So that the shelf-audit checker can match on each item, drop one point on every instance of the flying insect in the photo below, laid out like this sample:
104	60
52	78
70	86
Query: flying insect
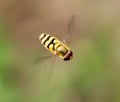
57	47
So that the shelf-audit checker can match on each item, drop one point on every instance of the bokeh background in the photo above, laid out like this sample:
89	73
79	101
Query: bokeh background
94	73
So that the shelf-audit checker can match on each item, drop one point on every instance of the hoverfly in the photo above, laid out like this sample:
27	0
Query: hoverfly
57	47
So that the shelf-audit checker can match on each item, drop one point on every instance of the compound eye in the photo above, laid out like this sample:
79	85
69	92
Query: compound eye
68	56
71	54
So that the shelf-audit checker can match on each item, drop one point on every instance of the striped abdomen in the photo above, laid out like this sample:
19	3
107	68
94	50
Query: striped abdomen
55	46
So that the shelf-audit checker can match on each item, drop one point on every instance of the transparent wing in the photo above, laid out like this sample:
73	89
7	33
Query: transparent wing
42	58
70	29
71	25
49	67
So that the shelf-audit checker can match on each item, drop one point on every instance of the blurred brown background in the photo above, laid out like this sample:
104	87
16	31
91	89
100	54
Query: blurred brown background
93	74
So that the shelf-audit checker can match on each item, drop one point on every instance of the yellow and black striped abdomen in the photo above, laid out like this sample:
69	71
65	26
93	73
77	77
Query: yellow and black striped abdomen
49	42
55	46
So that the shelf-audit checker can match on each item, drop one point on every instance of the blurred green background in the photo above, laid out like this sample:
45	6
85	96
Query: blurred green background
94	73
